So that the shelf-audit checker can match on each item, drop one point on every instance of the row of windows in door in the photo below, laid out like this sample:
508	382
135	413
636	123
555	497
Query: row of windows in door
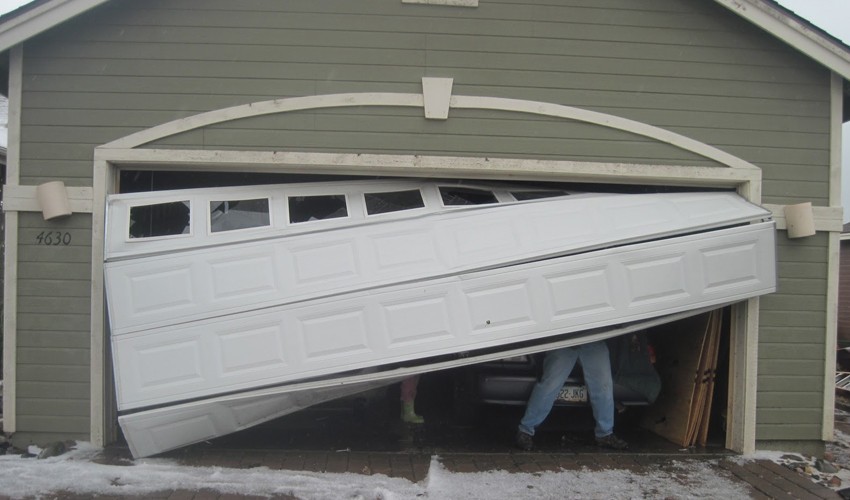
173	218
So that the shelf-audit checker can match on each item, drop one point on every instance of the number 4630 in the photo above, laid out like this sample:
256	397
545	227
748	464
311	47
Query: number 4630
54	238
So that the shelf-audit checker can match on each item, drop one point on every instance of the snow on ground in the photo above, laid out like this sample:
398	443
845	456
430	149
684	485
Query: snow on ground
77	472
80	472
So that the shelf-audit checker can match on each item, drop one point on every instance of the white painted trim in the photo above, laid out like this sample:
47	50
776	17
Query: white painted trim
743	361
743	377
10	328
741	437
10	259
264	108
605	120
437	93
448	3
834	256
432	166
98	421
795	33
831	341
826	218
40	19
17	198
835	148
417	100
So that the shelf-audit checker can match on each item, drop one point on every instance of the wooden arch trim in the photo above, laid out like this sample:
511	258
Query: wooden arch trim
285	105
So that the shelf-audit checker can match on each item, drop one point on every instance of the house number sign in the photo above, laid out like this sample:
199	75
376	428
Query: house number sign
53	238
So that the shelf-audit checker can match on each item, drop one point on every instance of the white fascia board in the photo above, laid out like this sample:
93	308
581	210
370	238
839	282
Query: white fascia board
801	36
40	19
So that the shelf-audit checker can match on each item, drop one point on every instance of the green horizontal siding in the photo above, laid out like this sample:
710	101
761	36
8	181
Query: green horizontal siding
689	66
792	345
53	336
57	390
810	398
54	339
667	59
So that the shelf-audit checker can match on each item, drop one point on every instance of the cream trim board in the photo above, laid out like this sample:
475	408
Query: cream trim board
742	422
417	100
826	218
834	257
10	326
835	137
10	257
831	340
436	94
13	120
429	166
97	364
264	108
449	3
603	119
802	37
743	378
22	199
40	19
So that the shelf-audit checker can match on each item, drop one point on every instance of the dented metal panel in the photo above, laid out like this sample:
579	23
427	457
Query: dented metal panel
442	316
225	303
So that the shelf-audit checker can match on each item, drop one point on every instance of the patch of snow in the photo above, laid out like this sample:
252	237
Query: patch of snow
692	479
78	472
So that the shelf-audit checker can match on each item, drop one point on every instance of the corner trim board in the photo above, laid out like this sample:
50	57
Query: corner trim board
10	259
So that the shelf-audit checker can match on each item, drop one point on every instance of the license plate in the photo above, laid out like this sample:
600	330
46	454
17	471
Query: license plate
573	394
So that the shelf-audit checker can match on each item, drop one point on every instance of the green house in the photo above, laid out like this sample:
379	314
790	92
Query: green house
107	96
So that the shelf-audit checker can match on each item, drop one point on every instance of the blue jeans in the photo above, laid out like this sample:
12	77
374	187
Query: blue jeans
557	367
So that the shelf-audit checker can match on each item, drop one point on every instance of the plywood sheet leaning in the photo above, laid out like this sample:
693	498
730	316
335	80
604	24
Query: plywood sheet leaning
700	415
710	377
679	348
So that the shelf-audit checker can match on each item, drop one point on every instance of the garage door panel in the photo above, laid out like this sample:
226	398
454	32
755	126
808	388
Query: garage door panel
153	289
494	307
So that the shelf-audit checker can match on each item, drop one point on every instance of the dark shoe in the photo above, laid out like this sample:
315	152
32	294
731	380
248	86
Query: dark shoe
613	442
524	441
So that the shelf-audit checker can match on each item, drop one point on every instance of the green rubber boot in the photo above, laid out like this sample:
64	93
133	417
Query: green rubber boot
409	416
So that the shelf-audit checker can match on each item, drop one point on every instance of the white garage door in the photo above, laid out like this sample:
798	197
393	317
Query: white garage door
215	292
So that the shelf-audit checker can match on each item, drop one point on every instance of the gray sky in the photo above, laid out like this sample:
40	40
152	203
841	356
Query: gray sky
829	15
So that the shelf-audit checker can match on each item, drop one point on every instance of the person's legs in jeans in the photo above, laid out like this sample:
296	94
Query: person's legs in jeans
596	365
557	366
408	397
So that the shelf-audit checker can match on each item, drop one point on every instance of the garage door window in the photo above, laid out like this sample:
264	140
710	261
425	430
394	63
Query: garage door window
232	215
394	201
536	195
159	219
314	208
459	196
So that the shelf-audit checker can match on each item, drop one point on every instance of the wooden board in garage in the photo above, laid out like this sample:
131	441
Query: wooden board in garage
686	353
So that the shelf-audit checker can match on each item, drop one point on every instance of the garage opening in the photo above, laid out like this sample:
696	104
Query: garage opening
688	412
458	414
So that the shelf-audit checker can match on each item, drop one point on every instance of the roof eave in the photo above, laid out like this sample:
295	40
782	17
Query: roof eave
31	22
766	14
803	36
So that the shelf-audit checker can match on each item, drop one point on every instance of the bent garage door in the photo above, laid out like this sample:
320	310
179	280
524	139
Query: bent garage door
232	306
